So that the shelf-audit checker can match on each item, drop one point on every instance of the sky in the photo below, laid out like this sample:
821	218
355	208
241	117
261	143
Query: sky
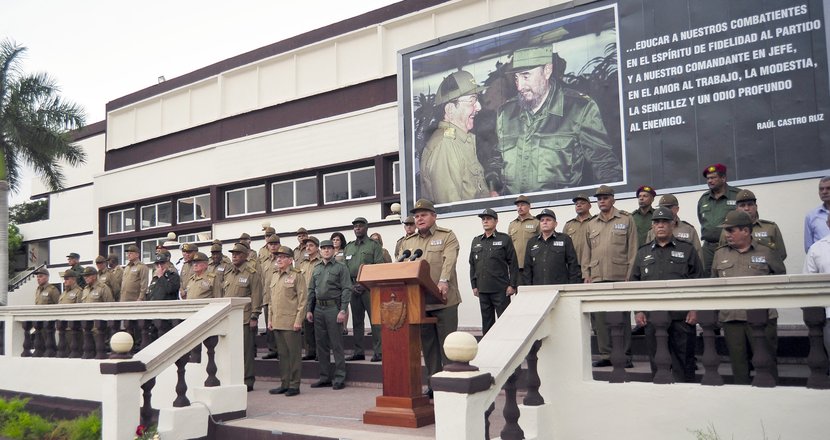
100	50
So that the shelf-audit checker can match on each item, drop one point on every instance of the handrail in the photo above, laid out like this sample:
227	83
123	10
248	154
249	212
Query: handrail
20	278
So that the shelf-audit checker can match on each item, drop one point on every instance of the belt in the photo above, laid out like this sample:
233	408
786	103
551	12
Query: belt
328	302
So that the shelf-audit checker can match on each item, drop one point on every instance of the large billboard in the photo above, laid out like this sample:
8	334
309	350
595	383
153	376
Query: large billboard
623	93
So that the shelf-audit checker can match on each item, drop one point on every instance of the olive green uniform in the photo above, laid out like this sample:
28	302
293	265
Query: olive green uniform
135	281
358	253
563	144
184	275
287	298
97	292
299	254
47	294
71	296
685	232
79	269
330	291
577	229
450	170
399	247
643	222
522	229
245	281
309	341
112	278
610	248
219	269
766	233
204	286
440	247
711	213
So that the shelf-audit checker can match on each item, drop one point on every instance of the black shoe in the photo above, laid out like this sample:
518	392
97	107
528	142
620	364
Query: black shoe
292	392
271	355
250	388
310	357
356	357
601	363
338	386
377	358
321	384
629	364
280	390
429	393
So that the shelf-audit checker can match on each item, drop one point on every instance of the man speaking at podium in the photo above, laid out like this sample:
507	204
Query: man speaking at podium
440	249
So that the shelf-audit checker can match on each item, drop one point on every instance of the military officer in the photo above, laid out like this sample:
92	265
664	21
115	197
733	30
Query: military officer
264	253
440	249
115	273
712	209
95	290
362	250
450	170
71	291
136	275
610	248
188	249
329	291
202	284
681	229
642	216
73	259
764	232
551	136
245	239
743	257
551	257
311	259
71	295
166	283
577	227
669	258
494	271
268	266
45	293
217	264
104	274
408	229
299	251
522	229
287	295
379	239
243	280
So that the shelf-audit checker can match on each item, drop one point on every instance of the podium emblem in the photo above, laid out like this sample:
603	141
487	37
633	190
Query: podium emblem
393	313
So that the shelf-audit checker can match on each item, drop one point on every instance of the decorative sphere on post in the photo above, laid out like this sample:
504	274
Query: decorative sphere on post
121	343
460	348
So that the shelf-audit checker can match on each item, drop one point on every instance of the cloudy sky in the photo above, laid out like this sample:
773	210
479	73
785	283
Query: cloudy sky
101	50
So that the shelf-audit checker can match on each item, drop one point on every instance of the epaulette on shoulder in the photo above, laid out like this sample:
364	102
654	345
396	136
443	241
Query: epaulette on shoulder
645	245
626	213
721	247
296	270
251	268
686	223
769	222
439	228
210	275
573	93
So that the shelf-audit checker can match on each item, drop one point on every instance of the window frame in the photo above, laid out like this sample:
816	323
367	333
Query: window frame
179	221
123	230
294	205
157	240
122	256
246	212
156	209
349	172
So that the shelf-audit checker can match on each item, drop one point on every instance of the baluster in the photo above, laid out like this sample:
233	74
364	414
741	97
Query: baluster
711	361
147	408
27	339
100	335
662	359
615	321
2	338
533	398
89	341
511	430
75	339
487	420
210	368
51	348
63	344
37	339
762	359
181	383
817	359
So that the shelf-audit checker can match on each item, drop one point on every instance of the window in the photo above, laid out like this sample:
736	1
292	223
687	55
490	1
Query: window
121	221
396	177
349	185
195	238
119	249
245	201
194	209
148	248
294	193
156	215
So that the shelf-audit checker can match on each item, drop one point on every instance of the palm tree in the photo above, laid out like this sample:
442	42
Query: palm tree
35	126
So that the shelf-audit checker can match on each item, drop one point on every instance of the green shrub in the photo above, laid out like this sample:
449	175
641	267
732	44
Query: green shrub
82	428
27	426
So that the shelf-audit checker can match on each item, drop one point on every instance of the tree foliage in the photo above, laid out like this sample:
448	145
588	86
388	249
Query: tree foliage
28	212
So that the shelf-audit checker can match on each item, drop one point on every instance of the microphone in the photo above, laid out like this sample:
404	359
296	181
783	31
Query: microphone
417	254
406	253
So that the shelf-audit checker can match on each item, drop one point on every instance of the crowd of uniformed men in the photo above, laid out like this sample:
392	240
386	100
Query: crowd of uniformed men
310	290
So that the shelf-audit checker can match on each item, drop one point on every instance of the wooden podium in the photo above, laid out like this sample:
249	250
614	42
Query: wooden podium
400	292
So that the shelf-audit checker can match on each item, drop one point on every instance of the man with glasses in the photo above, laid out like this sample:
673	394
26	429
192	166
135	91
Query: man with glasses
450	170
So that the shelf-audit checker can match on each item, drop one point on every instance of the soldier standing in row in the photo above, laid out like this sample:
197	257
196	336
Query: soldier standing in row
45	293
764	232
287	297
166	283
681	229
115	273
362	250
642	216
712	209
577	227
522	228
243	280
95	292
408	229
268	265
299	251
311	259
494	271
264	253
551	256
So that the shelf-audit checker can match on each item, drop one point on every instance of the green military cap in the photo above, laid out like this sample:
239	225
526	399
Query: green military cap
199	256
133	248
163	252
662	213
269	231
581	196
745	195
89	270
521	199
456	85
112	257
216	241
604	190
100	259
668	200
314	240
285	250
489	213
546	213
215	248
69	273
244	236
423	205
360	220
409	220
41	271
163	258
189	247
531	58
736	218
273	238
74	255
302	231
326	243
239	247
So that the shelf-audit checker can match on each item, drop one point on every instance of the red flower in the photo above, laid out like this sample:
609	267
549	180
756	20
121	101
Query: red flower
139	430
